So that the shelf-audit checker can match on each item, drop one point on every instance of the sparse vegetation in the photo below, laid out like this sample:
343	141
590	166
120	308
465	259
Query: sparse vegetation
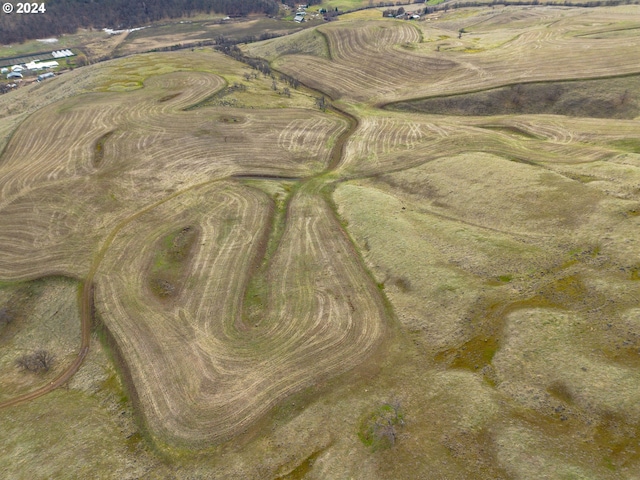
610	98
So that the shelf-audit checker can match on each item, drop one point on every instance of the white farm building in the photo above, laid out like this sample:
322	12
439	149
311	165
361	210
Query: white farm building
41	65
62	54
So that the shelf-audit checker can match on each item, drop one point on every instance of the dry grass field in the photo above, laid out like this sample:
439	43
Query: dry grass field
435	277
390	60
196	30
316	311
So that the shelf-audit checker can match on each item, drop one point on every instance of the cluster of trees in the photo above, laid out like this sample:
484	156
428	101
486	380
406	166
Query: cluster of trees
66	16
393	13
292	82
229	47
294	3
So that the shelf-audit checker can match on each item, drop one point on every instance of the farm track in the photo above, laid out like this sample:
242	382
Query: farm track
86	311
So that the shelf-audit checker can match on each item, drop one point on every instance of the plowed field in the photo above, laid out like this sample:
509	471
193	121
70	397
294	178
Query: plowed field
421	263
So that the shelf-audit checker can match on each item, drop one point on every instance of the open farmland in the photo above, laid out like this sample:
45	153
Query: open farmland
390	60
422	263
193	31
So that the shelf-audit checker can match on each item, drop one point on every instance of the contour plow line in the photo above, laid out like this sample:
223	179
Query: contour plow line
200	374
86	304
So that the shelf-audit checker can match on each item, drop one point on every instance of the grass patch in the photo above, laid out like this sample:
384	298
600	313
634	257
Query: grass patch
512	130
15	305
344	5
606	98
473	355
303	469
631	145
257	291
169	264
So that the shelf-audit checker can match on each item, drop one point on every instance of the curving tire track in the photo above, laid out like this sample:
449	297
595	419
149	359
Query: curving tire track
86	309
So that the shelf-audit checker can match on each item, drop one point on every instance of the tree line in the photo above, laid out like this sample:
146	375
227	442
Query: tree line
66	16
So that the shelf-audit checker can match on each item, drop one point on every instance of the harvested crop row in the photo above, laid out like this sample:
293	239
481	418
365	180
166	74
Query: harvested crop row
309	136
396	141
200	373
53	237
370	64
97	161
356	68
58	143
369	38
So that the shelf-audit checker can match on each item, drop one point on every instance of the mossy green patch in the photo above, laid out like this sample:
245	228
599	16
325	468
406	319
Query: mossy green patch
257	290
169	263
631	145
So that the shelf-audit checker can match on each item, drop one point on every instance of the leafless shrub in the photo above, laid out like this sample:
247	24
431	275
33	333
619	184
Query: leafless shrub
5	316
38	362
162	288
380	429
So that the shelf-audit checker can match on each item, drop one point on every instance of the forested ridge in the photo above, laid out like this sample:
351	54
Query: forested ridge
66	16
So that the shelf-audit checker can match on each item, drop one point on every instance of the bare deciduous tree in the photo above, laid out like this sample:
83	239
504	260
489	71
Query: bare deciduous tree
5	316
37	362
381	429
321	102
384	429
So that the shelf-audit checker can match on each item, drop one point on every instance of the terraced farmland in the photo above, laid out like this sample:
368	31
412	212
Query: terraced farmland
435	275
